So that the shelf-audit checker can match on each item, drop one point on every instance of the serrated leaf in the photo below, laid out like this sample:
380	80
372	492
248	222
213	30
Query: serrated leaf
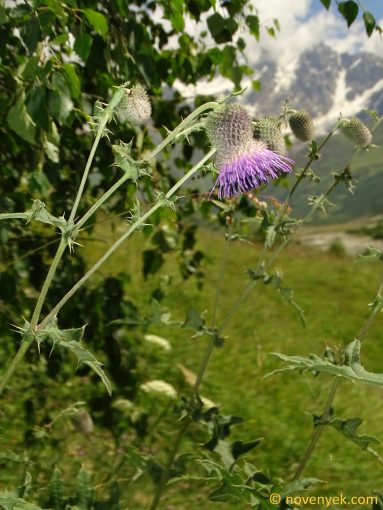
349	429
10	502
70	339
20	121
371	255
369	22
98	22
349	10
351	369
193	320
298	486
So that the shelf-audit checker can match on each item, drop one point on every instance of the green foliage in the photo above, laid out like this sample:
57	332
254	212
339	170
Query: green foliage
351	368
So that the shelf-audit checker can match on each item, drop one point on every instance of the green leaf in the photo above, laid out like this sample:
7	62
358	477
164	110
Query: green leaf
220	28
351	369
98	22
3	15
371	255
20	121
52	151
84	356
326	3
60	39
256	85
152	262
176	17
82	45
39	183
72	80
193	320
349	10
349	429
369	22
253	24
10	502
298	486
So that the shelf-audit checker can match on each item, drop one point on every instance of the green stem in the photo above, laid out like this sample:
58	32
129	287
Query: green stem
201	372
48	282
13	365
334	388
140	222
106	117
12	216
168	466
126	176
301	176
318	430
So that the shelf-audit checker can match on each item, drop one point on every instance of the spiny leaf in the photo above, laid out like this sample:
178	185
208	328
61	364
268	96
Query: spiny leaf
349	429
351	369
10	502
86	357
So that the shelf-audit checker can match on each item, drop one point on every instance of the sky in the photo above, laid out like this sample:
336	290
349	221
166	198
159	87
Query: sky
305	23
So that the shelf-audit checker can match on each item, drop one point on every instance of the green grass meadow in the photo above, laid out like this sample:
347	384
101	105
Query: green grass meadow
334	292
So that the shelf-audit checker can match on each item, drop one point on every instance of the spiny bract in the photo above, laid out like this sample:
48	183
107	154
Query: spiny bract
302	125
356	131
269	132
137	104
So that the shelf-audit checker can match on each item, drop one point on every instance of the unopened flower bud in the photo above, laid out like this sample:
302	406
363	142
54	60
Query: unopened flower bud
356	131
82	422
302	126
137	104
269	132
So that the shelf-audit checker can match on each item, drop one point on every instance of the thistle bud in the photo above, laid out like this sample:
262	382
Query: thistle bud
302	126
269	132
82	422
137	104
356	131
228	127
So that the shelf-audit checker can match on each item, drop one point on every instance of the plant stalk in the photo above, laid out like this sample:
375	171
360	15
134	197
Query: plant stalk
334	388
139	223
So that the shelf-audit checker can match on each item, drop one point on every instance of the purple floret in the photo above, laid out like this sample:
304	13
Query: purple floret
250	171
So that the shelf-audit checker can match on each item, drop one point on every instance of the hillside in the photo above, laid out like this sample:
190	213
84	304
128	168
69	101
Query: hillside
367	172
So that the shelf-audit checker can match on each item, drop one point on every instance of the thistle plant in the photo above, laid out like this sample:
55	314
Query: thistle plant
247	155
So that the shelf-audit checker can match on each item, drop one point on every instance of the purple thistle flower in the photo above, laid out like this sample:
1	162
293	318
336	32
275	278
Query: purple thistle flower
243	163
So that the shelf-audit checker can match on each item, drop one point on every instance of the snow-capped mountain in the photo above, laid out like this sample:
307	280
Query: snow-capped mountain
321	81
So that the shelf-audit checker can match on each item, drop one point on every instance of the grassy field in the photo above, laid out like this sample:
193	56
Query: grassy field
334	293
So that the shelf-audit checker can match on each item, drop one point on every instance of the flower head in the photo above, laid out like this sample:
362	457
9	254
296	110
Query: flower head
269	132
137	104
356	131
302	125
243	163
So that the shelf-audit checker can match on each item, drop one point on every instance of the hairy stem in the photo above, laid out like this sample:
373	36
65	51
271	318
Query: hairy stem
137	224
200	374
106	117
